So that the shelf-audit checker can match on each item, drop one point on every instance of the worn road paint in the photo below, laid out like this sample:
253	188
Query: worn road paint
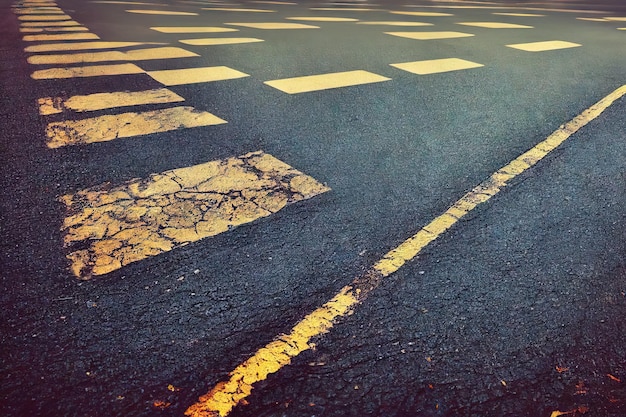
192	29
343	9
544	46
41	18
39	11
92	71
274	25
218	41
220	400
125	125
616	19
495	25
429	14
80	46
162	12
435	66
394	23
227	9
273	2
146	217
424	36
168	52
101	101
195	75
61	37
592	19
129	2
324	19
54	29
325	81
520	14
49	24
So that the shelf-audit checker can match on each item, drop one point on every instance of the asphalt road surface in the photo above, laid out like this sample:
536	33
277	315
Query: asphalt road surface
260	208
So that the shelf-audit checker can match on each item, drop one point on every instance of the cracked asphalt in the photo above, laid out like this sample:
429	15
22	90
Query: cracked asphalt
516	310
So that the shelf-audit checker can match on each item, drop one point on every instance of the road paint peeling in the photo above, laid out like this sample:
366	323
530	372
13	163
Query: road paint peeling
435	66
125	125
101	101
220	400
544	46
91	71
325	81
147	217
425	36
168	52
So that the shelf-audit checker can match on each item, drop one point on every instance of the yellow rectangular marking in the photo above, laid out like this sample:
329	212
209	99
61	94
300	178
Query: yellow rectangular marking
342	9
621	28
134	55
325	81
592	19
60	37
125	125
192	29
162	12
169	52
274	25
273	2
101	101
146	217
423	36
128	2
544	46
40	11
79	46
495	25
395	23
435	66
48	24
323	19
42	18
218	41
428	14
520	14
195	75
227	9
616	19
54	29
91	71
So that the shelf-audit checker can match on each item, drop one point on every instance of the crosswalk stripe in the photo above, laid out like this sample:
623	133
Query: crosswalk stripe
520	14
342	9
162	12
394	23
616	19
129	3
274	25
61	23
134	55
544	46
101	101
427	14
192	29
495	25
146	217
228	9
218	41
42	18
60	37
54	29
195	75
324	19
422	36
436	66
39	11
125	125
81	46
325	81
91	71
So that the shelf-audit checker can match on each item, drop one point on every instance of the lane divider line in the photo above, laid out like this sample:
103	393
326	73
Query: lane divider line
269	359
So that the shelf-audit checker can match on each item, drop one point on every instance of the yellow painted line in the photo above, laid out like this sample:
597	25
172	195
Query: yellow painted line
60	37
220	400
428	14
436	66
125	125
395	23
101	101
228	9
134	55
495	25
274	25
91	71
42	18
130	3
162	12
544	46
196	75
274	2
520	14
40	11
62	23
343	9
616	19
423	36
592	19
54	29
219	41
324	19
79	46
146	217
621	28
325	81
192	29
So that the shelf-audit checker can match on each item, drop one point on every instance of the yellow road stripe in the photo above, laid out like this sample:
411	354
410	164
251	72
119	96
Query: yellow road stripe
423	36
218	41
62	23
54	29
593	19
40	18
435	66
520	14
195	75
395	23
61	37
162	12
431	14
226	9
616	19
324	19
342	9
146	217
110	127
39	11
134	55
495	25
91	71
101	101
325	81
273	2
544	46
193	29
129	2
79	46
269	359
272	25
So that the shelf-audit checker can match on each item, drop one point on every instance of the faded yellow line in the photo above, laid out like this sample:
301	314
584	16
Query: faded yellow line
228	9
220	400
62	37
101	101
342	9
162	12
40	11
219	41
394	23
62	23
125	125
324	19
41	18
325	81
146	217
195	75
427	14
91	71
274	25
168	52
520	14
192	29
80	46
54	29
